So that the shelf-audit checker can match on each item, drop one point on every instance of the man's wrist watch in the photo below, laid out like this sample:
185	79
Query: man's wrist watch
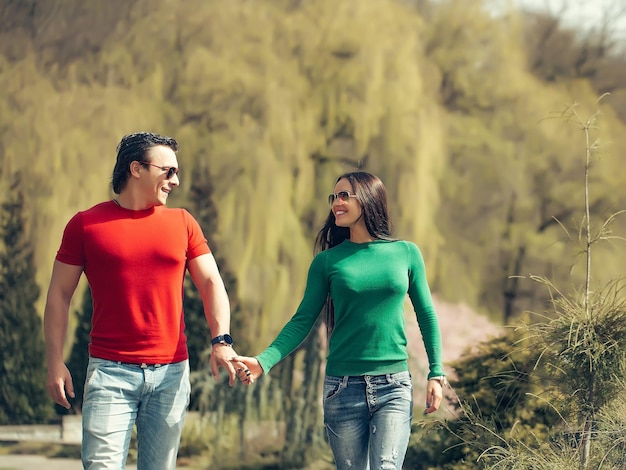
441	379
226	340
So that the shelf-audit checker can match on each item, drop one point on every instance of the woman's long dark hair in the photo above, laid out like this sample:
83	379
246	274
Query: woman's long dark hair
372	195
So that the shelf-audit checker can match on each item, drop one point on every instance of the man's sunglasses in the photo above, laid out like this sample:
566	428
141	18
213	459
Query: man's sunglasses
171	170
341	195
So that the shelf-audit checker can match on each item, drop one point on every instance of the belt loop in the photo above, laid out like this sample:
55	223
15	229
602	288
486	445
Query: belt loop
144	365
344	381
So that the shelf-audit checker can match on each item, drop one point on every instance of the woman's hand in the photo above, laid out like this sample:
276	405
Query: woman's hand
250	371
434	394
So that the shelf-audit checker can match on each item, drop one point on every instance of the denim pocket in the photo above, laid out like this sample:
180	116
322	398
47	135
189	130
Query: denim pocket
92	368
402	379
331	389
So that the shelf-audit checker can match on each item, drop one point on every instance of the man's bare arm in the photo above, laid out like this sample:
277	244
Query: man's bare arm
63	284
208	281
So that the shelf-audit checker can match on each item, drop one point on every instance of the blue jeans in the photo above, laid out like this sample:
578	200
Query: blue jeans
118	396
368	419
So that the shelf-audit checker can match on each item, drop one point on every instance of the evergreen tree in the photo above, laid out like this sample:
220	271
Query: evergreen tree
197	329
23	398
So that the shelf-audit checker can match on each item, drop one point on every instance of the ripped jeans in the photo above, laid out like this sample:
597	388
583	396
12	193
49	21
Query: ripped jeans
368	419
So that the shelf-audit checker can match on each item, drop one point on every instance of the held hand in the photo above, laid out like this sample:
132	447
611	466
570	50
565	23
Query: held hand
221	356
434	394
58	382
249	369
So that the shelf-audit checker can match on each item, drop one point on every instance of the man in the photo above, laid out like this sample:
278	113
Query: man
134	252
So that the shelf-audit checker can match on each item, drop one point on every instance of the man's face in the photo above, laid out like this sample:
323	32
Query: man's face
154	180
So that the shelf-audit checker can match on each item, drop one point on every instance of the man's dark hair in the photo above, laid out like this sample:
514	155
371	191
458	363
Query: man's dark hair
134	147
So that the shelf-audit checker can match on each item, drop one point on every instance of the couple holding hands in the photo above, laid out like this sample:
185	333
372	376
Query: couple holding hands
135	251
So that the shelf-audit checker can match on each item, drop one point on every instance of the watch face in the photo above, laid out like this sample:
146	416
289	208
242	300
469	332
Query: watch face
222	339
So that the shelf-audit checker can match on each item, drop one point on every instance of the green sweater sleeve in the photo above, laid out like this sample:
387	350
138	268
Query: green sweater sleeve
297	329
420	296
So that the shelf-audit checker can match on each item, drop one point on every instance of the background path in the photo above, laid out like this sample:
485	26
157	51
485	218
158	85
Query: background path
35	462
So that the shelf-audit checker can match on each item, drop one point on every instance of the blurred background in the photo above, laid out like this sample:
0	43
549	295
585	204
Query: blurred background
468	110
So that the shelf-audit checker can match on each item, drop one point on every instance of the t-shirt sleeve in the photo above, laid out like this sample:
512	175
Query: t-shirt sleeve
197	244
421	298
297	329
72	250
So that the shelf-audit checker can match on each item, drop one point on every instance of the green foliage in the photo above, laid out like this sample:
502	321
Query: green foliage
577	357
510	174
23	398
584	351
610	433
528	393
501	397
500	383
304	433
197	329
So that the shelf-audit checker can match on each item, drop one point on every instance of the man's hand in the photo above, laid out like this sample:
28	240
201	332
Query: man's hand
55	318
59	384
222	356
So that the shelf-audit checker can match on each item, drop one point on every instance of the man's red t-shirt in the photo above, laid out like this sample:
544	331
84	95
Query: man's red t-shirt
135	263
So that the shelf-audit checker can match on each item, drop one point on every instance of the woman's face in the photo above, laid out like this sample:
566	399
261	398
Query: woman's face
345	206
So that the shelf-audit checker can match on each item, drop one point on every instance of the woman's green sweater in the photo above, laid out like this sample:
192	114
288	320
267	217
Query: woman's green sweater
368	283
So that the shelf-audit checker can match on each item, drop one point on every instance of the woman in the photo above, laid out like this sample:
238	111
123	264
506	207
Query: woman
363	276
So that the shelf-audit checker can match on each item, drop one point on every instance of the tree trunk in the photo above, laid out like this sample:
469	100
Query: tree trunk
304	436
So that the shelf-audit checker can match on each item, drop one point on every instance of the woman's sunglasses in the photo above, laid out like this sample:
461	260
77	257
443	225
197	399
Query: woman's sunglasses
341	195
